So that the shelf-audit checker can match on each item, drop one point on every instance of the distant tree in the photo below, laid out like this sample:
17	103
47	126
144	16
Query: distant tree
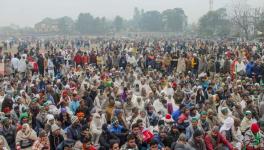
174	20
118	23
215	23
151	21
85	23
66	25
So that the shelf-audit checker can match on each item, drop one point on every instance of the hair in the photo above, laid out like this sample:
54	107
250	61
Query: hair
130	137
182	137
113	142
135	125
139	121
153	142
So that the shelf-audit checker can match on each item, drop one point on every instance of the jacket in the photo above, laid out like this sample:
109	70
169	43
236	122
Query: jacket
55	141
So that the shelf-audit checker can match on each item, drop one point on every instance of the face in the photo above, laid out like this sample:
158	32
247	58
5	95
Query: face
194	123
187	112
198	138
24	128
203	117
115	146
135	130
131	143
249	116
214	134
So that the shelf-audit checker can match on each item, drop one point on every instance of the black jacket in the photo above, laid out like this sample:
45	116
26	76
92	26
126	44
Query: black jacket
55	141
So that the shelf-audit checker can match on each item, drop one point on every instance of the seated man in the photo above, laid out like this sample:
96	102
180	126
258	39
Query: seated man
214	140
118	130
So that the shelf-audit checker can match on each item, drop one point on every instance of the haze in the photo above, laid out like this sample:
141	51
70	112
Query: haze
28	12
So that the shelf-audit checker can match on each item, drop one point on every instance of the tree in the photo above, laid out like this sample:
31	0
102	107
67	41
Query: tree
85	23
242	17
174	20
215	23
151	21
118	23
66	25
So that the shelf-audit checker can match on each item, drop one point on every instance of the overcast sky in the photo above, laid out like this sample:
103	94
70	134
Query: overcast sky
29	12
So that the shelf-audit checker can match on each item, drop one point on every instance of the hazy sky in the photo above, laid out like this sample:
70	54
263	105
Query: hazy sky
29	12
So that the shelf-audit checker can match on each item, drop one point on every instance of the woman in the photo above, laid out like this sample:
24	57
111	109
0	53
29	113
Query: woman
42	143
25	137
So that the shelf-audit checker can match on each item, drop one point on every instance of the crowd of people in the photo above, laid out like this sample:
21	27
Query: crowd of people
132	94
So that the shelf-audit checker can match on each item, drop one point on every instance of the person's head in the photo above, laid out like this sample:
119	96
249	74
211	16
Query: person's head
114	145
182	139
140	124
198	135
154	144
215	131
55	129
174	128
224	110
50	119
150	109
25	128
186	111
194	121
248	114
163	132
135	128
75	121
131	141
203	116
43	135
68	144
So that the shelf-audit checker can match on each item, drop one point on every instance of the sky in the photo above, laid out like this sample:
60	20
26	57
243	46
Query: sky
28	12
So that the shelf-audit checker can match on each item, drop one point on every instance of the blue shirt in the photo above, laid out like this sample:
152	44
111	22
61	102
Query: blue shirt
74	105
116	129
176	114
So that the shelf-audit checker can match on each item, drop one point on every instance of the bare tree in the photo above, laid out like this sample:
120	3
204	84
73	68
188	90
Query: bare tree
246	17
241	16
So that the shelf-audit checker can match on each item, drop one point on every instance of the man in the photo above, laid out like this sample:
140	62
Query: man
105	136
197	140
40	63
22	66
191	128
15	64
118	130
203	121
214	140
254	138
55	138
74	131
247	121
9	132
130	144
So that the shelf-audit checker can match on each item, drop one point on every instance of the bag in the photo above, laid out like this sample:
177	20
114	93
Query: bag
26	143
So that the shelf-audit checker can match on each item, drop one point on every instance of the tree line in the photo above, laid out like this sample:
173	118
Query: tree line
240	20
